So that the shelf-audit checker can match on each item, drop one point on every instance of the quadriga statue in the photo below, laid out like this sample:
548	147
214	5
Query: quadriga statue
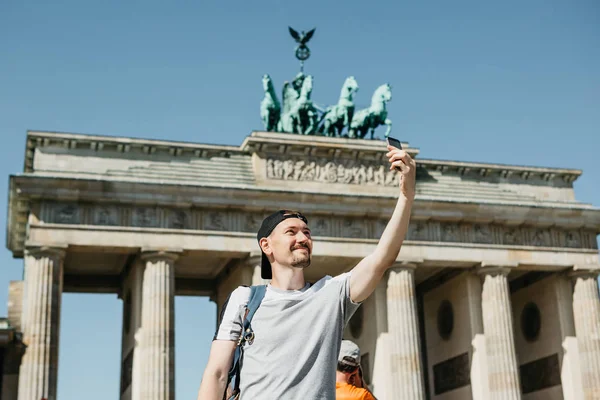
338	117
269	107
298	114
368	119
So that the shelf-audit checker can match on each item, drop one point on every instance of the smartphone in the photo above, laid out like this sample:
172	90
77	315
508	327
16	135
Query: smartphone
394	142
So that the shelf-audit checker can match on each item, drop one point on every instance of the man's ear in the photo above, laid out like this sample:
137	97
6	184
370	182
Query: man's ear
264	246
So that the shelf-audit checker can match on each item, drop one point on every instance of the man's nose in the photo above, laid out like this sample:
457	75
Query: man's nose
301	237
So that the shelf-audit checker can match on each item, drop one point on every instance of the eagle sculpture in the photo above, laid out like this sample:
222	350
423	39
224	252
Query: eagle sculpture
302	38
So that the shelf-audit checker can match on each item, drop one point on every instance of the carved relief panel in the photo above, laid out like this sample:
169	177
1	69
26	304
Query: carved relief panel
321	225
349	172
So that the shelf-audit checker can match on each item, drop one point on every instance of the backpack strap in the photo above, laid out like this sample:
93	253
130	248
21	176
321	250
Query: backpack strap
257	293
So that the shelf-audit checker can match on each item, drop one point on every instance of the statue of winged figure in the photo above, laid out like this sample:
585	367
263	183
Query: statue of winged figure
302	51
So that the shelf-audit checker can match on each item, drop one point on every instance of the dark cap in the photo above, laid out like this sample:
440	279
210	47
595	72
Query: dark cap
265	230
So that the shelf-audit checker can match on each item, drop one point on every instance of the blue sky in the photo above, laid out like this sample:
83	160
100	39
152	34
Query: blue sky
506	82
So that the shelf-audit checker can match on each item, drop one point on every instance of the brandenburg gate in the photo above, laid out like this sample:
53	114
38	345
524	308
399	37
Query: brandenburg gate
493	296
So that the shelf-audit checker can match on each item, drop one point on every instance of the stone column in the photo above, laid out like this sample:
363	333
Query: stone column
586	311
41	319
403	327
15	349
381	367
479	366
246	272
13	353
503	371
570	371
157	338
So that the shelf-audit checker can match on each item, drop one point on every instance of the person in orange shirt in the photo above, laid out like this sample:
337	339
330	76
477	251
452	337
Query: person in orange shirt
349	384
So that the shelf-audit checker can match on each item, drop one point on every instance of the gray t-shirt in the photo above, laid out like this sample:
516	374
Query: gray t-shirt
298	334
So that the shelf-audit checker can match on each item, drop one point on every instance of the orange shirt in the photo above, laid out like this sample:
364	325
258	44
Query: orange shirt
345	391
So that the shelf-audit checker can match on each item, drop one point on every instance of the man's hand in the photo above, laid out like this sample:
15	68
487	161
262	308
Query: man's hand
407	169
367	274
215	375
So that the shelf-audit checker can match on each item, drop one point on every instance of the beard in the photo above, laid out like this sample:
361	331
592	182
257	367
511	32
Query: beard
301	259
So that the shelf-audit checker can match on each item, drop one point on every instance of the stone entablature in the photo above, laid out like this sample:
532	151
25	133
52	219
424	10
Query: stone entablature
325	226
282	161
275	144
173	185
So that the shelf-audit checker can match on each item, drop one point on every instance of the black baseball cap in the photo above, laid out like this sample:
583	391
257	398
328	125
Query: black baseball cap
265	230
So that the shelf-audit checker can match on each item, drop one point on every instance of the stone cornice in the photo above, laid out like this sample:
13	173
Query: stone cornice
502	171
120	145
317	146
282	144
34	186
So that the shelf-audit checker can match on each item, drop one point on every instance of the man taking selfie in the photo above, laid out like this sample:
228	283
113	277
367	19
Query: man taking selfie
297	329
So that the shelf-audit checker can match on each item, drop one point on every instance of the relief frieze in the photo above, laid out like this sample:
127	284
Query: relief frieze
145	217
105	215
321	225
251	223
216	221
67	214
178	219
356	172
482	234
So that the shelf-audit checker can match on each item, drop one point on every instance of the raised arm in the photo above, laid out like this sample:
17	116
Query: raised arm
369	271
214	380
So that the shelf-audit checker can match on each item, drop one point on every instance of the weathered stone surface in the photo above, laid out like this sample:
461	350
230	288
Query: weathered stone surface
406	371
157	339
503	372
267	166
107	198
15	304
330	226
41	322
586	310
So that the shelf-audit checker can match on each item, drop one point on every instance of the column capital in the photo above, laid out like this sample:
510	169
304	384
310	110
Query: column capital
584	271
406	265
150	254
253	259
495	268
46	251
